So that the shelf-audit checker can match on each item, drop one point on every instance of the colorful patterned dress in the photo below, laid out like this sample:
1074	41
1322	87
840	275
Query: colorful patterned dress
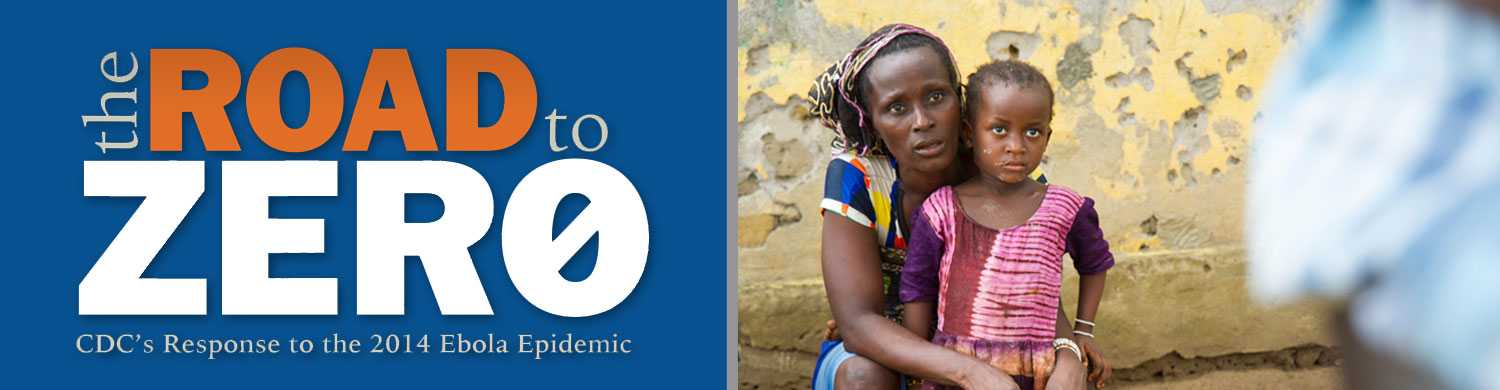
997	291
865	190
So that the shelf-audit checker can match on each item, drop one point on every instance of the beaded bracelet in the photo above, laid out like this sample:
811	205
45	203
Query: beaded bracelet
1064	343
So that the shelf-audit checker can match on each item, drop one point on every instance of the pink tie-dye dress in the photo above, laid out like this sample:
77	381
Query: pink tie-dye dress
997	291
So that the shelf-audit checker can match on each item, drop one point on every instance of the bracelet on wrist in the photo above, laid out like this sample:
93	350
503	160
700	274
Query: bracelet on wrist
1068	344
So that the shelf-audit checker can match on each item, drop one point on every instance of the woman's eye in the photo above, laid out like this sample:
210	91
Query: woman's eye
1033	133
998	130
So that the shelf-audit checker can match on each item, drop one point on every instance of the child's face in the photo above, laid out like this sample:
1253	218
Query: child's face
1009	128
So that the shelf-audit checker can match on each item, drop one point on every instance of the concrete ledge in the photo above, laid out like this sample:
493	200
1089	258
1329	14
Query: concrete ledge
1195	303
784	316
768	369
1190	302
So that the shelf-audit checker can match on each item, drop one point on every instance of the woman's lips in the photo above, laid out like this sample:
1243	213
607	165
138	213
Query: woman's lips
930	148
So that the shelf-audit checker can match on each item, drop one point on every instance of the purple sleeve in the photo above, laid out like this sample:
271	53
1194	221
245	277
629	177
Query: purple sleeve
1086	242
924	252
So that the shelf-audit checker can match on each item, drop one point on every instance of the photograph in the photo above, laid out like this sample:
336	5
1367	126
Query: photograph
752	195
1168	194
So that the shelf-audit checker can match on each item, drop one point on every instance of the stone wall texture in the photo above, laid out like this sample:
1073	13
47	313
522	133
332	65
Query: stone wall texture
1156	105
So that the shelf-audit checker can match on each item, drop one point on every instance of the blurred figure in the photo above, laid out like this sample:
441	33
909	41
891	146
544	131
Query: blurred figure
1375	180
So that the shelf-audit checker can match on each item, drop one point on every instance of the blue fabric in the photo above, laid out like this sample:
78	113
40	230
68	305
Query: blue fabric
1375	177
830	356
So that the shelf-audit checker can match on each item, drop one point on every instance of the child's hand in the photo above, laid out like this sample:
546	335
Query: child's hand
833	331
1099	369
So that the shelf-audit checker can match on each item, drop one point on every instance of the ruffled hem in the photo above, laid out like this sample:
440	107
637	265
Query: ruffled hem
1030	358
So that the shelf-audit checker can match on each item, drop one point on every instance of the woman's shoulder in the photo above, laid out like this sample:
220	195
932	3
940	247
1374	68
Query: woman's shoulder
863	165
861	188
850	174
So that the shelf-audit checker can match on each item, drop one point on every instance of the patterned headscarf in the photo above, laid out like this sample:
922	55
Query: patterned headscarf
834	93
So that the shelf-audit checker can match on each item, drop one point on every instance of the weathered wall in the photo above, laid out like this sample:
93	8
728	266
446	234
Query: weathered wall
1156	100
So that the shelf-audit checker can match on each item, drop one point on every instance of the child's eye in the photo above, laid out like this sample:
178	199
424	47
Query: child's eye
998	130
935	97
1033	133
896	108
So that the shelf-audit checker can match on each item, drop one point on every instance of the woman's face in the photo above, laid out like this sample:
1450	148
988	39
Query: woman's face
914	108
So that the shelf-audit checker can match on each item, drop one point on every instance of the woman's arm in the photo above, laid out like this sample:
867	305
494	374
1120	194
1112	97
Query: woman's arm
851	275
1067	371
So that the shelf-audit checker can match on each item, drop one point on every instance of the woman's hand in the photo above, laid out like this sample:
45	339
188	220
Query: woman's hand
1067	373
1099	369
980	376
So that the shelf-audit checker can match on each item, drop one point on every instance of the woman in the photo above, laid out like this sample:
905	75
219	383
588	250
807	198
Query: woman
894	105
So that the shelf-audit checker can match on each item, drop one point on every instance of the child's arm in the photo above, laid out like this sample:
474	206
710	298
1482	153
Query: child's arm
1092	259
1090	291
918	317
919	276
1064	327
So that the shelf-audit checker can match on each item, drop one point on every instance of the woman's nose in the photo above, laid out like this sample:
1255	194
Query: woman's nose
921	120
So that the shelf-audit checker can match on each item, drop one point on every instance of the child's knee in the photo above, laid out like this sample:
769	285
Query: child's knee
861	373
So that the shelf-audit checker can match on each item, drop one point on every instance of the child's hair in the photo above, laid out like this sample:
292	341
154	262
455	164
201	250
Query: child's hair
1009	72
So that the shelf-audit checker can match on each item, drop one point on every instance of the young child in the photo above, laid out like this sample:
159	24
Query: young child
985	256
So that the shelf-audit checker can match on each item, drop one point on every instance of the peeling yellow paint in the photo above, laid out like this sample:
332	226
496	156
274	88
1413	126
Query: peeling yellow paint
963	25
1134	244
1176	32
788	73
967	25
1147	145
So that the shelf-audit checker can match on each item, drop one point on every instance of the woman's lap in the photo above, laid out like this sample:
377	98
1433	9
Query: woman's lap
831	356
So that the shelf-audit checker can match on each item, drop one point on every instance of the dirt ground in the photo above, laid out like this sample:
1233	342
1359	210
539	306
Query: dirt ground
1315	378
